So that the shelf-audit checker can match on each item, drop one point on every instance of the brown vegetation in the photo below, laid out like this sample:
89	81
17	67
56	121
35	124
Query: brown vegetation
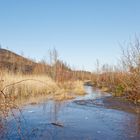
123	79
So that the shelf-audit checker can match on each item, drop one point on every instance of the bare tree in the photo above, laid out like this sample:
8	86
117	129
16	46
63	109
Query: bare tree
131	56
53	61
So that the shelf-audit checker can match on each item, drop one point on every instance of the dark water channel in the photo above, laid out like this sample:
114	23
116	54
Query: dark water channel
79	121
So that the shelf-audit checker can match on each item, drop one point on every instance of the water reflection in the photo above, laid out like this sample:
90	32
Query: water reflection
92	93
57	107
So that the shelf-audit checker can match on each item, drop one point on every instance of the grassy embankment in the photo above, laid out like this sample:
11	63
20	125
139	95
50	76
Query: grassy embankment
24	87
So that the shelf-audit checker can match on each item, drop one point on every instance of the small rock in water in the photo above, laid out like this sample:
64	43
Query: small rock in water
57	124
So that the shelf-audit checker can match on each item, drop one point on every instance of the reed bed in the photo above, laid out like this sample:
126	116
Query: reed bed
22	87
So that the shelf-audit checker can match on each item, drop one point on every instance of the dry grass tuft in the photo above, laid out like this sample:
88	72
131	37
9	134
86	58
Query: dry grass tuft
33	88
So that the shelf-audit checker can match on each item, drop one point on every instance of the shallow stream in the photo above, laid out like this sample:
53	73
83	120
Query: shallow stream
77	121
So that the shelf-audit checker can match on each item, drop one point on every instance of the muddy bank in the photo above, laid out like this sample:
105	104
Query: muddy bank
110	102
121	104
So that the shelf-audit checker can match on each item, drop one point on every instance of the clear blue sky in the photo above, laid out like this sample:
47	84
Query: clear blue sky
81	30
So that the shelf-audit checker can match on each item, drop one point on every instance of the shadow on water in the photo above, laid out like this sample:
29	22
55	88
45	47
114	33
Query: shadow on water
80	121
